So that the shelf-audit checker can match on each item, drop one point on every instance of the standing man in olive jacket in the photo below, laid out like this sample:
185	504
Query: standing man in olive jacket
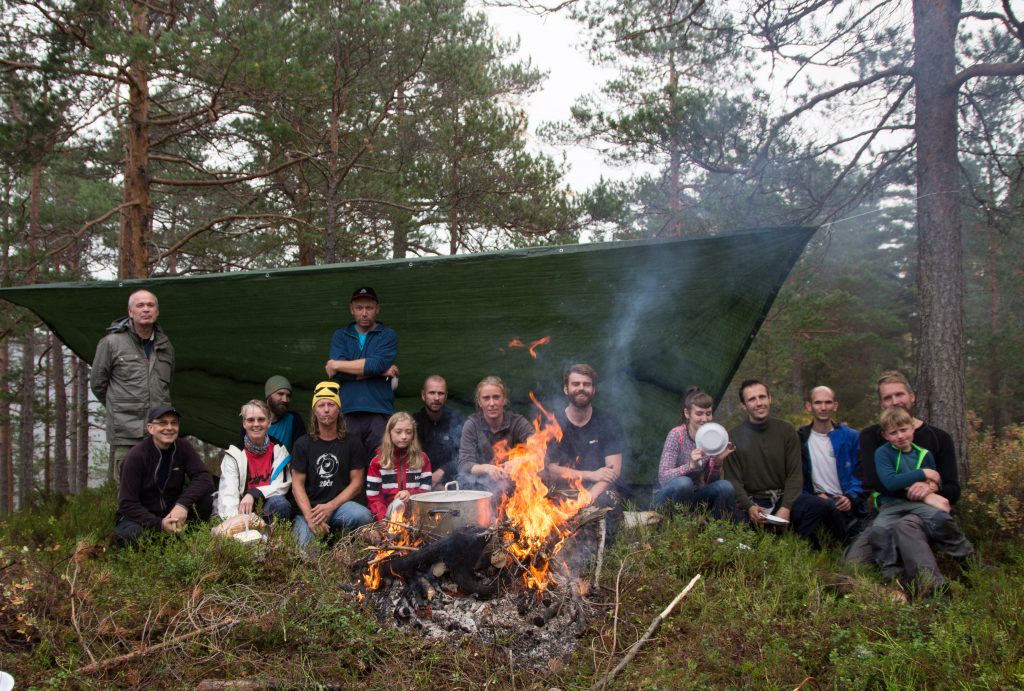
163	482
131	373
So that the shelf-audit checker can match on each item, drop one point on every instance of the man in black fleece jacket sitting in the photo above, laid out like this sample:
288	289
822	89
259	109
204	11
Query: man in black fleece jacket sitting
153	493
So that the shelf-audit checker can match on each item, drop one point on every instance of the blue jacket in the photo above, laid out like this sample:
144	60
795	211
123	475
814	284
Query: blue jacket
846	445
372	393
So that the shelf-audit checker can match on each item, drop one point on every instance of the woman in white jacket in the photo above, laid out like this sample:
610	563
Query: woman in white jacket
257	472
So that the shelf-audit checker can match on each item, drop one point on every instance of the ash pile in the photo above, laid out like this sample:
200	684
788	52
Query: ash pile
472	582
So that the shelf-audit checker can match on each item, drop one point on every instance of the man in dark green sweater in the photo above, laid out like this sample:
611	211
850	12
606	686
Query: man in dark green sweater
765	470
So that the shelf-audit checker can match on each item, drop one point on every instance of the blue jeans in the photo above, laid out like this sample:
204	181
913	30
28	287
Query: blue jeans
277	508
719	496
348	516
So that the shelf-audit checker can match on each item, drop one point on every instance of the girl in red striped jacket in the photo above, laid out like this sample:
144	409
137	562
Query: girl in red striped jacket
399	470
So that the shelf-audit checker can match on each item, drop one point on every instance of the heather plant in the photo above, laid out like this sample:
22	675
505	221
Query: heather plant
993	500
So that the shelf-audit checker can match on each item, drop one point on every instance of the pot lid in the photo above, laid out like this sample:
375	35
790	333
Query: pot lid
443	496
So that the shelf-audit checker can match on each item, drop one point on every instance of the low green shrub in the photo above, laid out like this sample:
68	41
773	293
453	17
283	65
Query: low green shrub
993	500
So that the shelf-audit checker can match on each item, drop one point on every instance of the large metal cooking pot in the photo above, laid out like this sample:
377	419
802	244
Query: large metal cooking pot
444	511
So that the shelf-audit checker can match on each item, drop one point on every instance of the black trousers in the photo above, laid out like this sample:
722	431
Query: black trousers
127	532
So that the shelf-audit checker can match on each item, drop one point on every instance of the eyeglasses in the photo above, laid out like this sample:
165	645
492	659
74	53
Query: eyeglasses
165	423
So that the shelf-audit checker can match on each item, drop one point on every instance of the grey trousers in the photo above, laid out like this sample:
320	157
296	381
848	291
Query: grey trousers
901	550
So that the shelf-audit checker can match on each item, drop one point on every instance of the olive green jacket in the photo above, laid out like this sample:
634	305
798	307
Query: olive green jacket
128	383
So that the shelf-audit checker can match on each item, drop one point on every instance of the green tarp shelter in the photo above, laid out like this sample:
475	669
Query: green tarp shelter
650	316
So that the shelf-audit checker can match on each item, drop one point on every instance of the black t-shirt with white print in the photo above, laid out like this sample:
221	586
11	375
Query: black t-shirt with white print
327	465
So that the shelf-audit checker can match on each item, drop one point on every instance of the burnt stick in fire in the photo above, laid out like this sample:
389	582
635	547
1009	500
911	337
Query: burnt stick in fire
460	551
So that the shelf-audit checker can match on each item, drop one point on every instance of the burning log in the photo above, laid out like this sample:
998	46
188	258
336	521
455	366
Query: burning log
548	613
460	551
427	589
403	611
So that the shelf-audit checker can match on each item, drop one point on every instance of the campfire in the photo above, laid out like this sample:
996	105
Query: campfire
491	576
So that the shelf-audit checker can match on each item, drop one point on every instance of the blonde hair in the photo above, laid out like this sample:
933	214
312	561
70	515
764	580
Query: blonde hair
387	447
255	403
895	417
490	381
893	377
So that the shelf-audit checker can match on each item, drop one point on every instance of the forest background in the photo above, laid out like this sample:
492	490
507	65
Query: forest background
154	139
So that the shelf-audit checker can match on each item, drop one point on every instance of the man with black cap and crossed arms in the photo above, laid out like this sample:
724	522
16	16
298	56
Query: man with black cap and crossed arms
362	361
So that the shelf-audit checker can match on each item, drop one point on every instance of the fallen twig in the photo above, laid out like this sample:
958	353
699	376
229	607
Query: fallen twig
602	528
647	634
146	650
74	615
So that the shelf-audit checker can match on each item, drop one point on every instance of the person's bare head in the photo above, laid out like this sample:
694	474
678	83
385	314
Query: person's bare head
434	393
579	384
697	407
822	404
894	390
143	309
755	399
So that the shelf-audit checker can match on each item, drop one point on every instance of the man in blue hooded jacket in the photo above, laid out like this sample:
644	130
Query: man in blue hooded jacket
829	452
362	361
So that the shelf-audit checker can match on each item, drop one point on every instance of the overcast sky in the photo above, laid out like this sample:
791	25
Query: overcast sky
551	42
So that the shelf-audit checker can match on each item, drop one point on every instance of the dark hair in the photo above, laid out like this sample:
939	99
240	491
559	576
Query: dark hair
580	368
747	383
695	396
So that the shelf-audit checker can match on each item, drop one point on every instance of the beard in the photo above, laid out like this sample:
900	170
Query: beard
581	399
278	410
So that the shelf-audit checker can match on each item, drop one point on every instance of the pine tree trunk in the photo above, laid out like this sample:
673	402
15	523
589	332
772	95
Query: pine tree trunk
81	422
137	215
674	226
26	444
46	415
941	385
61	485
6	460
73	429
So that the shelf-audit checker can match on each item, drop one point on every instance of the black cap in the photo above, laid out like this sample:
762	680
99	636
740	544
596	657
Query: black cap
364	292
159	411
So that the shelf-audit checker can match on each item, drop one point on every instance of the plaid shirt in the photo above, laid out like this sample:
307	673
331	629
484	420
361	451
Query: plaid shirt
677	460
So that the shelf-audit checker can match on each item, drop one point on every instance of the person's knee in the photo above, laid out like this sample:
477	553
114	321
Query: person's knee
127	533
724	490
350	515
203	508
680	489
909	526
277	508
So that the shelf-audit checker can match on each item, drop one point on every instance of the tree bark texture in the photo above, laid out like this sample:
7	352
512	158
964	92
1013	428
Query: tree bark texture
942	363
81	422
27	421
61	485
45	412
674	227
137	214
6	457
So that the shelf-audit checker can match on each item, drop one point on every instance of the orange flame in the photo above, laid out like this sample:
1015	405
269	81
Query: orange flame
399	535
516	343
544	340
539	525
